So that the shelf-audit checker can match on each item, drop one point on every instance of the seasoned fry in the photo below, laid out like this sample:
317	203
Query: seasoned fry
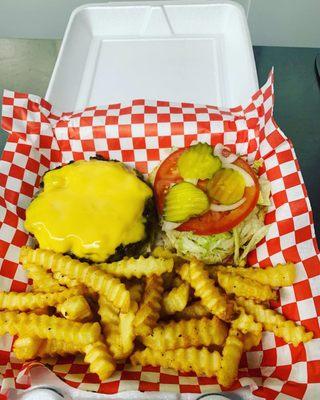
75	308
99	359
277	276
236	284
276	323
29	301
183	334
202	362
43	281
45	327
65	280
110	321
251	339
177	299
53	347
131	267
148	313
26	348
231	355
194	310
211	296
86	274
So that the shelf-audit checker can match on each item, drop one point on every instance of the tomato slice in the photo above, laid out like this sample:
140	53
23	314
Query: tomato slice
211	222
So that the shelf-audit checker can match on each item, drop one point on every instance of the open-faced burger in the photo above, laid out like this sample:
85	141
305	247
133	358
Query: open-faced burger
96	210
211	203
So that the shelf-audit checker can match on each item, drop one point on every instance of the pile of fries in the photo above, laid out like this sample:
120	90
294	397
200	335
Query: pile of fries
159	311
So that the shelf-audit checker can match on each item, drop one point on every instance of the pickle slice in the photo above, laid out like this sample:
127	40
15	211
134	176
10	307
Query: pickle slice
198	162
227	186
184	200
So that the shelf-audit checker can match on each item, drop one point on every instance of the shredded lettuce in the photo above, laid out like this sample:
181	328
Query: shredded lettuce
213	249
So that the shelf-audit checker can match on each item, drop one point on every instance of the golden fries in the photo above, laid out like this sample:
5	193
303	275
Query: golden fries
127	330
65	280
54	347
194	310
245	323
251	339
110	321
126	311
136	292
26	348
75	308
277	276
276	323
205	288
148	313
183	334
43	281
29	301
131	267
177	299
98	357
236	284
202	362
45	327
231	355
86	274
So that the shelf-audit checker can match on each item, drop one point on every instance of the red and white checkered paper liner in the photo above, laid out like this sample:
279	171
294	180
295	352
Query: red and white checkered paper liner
140	134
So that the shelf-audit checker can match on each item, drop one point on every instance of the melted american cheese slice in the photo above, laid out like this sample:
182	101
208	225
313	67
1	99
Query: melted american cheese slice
88	208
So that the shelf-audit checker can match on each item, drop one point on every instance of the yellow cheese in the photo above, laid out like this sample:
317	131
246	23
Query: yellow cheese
89	208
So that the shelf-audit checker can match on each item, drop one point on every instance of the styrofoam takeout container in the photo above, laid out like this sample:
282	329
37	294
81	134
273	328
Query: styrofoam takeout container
196	52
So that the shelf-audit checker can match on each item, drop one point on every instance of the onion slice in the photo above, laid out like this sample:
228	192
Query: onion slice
247	177
218	152
230	207
170	226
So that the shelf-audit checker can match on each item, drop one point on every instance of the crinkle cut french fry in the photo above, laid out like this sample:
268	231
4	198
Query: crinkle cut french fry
99	359
43	281
45	327
231	355
236	284
136	291
143	266
89	275
65	280
148	313
53	347
183	334
110	321
22	301
127	331
250	340
202	362
245	323
277	276
75	308
276	323
26	348
161	252
177	299
194	310
205	288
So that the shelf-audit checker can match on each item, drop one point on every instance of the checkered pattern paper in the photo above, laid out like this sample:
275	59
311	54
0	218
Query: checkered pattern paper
141	134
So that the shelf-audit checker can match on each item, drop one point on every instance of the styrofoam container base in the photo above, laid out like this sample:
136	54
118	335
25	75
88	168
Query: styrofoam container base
178	51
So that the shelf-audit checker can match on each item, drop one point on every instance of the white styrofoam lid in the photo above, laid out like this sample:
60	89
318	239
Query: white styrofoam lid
114	52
